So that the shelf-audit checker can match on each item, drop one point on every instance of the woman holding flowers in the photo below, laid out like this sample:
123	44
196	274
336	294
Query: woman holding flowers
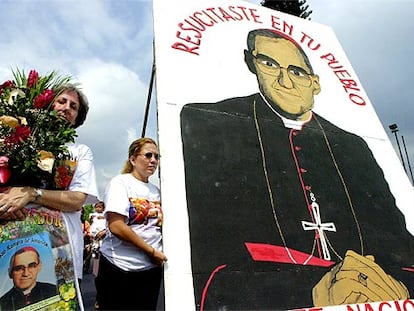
40	114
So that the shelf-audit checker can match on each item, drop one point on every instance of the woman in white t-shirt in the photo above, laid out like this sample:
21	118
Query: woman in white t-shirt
131	251
78	188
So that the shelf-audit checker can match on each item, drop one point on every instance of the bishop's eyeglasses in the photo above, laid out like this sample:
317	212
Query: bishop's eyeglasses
271	67
21	268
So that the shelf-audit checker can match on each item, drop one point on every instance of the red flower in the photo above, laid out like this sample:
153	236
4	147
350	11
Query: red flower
32	79
5	171
20	134
63	177
7	84
44	99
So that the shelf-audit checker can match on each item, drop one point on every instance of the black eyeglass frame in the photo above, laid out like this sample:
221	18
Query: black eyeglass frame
21	268
270	66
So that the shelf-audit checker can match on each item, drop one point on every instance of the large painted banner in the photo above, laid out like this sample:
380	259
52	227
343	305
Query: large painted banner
36	264
280	187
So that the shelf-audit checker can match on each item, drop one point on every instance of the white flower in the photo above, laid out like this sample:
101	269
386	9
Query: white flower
14	94
23	120
46	161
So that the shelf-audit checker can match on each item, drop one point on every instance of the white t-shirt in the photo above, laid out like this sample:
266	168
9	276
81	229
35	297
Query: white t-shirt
83	180
97	221
140	203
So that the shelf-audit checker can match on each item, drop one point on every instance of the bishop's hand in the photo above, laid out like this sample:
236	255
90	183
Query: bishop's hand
357	279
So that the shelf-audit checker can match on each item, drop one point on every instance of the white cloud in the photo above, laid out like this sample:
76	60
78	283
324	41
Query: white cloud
117	101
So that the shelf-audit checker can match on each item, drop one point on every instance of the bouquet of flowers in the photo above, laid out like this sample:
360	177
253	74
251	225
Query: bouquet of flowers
32	135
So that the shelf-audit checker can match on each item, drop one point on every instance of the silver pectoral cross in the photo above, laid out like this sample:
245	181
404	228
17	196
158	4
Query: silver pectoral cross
320	227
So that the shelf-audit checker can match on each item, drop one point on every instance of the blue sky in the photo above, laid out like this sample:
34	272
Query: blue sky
106	45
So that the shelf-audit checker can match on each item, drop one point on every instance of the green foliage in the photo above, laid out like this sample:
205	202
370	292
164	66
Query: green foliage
87	209
294	7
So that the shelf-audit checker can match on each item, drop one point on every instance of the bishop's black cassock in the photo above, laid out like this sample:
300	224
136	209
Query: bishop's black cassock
256	194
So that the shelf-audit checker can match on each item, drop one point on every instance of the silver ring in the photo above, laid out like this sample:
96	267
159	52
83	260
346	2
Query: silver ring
363	278
3	210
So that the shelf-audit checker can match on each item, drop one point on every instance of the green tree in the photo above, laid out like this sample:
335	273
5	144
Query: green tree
295	7
87	209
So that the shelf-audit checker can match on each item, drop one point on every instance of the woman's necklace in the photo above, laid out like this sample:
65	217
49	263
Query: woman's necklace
313	207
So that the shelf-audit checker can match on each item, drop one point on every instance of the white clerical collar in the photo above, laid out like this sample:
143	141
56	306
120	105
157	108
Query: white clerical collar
28	291
289	123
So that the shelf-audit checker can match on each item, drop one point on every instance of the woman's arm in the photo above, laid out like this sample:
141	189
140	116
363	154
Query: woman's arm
15	199
118	227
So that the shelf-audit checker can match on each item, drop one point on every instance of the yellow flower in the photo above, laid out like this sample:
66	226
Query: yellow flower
71	293
9	121
63	305
68	295
67	291
46	161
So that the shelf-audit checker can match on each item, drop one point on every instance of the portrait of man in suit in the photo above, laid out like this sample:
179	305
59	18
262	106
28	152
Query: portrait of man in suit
25	265
287	210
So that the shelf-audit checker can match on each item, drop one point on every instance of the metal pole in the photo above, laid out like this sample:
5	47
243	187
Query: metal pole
144	126
394	129
408	160
399	149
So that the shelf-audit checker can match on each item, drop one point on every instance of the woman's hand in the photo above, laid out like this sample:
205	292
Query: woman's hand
13	202
100	235
158	257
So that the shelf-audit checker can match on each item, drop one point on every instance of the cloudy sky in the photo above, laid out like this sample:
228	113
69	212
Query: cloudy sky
375	35
106	45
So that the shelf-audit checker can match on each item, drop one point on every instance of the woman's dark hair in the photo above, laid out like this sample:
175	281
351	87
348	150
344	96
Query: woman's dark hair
83	102
270	33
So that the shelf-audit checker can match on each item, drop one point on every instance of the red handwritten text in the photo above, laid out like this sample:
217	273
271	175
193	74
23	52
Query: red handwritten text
350	85
281	26
191	29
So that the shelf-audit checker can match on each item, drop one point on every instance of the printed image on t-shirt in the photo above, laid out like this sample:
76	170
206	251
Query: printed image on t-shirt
64	172
141	210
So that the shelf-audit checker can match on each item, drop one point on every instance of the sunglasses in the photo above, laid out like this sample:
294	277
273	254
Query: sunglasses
149	155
